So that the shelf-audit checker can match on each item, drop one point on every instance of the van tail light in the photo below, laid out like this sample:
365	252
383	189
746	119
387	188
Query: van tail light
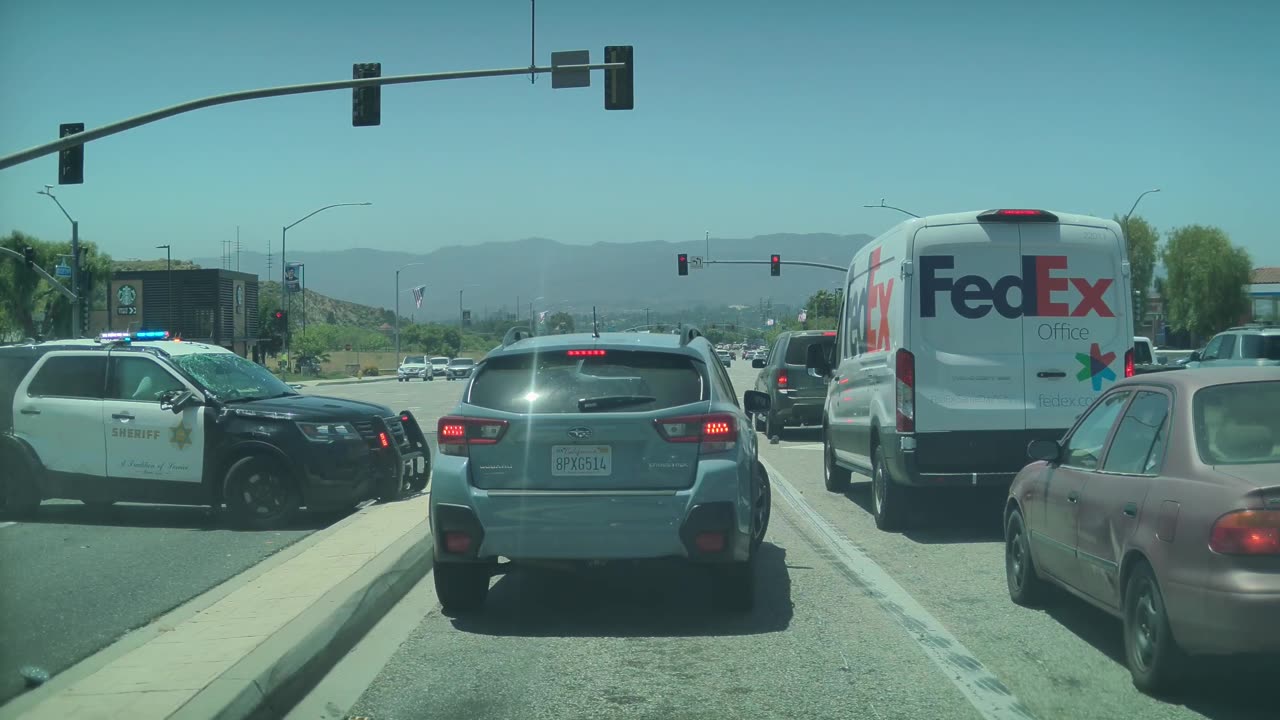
454	433
714	432
1017	215
782	380
1247	532
905	390
1128	362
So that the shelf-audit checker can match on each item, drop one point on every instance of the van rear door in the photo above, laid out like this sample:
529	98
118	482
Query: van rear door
966	339
1077	328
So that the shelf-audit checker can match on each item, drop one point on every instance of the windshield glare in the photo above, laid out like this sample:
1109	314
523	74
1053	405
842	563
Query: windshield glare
230	377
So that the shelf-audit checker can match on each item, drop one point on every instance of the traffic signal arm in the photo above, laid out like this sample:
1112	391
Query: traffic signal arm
29	262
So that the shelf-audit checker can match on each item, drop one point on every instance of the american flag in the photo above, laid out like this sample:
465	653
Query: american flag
417	295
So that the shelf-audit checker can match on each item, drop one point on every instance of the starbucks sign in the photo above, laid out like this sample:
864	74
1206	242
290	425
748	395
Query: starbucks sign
126	300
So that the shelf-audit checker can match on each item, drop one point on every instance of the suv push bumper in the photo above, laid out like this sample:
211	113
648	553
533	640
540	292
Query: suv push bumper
346	474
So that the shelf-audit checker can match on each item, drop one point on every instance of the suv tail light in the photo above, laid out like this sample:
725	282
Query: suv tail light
1128	362
454	434
782	380
905	390
1247	532
714	432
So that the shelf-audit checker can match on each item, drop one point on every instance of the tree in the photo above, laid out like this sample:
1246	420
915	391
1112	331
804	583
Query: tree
24	294
824	304
1141	239
560	323
1206	280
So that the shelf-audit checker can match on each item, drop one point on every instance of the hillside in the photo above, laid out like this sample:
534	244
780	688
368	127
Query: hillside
611	276
161	264
324	309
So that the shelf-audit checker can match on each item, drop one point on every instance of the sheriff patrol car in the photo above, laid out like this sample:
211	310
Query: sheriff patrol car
144	418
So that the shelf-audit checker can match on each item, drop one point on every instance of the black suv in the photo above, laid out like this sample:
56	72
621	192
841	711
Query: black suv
796	397
130	419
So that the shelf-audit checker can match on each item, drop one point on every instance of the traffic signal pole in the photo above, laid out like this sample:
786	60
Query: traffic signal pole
803	263
83	138
66	292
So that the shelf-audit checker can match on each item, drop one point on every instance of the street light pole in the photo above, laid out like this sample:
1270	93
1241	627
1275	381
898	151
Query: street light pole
398	356
168	280
460	324
284	288
75	261
1140	292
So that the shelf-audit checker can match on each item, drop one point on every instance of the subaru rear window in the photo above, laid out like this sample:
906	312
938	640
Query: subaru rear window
1260	347
798	347
618	381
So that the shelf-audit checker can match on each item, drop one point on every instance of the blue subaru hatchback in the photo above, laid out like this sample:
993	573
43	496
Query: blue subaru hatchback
597	448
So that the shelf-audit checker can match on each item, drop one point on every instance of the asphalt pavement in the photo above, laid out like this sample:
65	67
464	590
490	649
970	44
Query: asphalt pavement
850	622
74	579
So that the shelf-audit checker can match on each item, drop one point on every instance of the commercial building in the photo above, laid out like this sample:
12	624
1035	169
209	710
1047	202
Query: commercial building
1264	294
214	306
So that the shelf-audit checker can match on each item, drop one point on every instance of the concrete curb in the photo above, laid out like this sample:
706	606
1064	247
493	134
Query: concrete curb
279	672
379	378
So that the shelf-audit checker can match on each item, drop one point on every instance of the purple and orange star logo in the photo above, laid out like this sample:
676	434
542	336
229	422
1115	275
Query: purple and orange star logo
1096	366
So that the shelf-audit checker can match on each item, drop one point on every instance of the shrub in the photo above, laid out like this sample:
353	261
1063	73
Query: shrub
369	371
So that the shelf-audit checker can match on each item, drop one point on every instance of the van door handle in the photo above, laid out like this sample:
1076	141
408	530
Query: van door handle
1130	509
122	416
29	411
1051	374
1073	497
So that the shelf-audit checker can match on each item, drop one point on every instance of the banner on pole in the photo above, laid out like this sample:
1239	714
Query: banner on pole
293	276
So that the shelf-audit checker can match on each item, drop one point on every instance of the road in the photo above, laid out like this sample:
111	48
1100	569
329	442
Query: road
75	579
851	622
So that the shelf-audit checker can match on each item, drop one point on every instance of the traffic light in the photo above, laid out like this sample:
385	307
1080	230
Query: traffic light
619	85
29	255
775	265
682	264
366	102
71	160
281	320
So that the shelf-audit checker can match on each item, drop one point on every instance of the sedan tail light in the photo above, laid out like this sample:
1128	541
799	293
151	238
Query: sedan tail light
455	434
1247	532
714	432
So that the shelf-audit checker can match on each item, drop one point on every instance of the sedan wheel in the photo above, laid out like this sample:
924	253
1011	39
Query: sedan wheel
1154	659
1025	587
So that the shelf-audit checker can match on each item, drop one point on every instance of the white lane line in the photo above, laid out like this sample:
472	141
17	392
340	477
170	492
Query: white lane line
4	525
803	446
990	697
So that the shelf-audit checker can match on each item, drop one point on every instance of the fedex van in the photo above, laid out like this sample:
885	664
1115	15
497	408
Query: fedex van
962	338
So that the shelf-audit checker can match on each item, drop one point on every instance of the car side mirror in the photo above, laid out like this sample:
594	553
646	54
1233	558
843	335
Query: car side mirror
1048	450
754	401
818	361
1195	356
757	362
177	400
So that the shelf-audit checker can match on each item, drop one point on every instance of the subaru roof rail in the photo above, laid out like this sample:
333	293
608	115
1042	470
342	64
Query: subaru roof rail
515	334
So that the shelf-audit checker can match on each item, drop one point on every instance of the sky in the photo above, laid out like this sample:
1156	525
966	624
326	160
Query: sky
751	118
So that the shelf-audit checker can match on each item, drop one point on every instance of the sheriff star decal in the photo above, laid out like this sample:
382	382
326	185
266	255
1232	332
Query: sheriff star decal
180	435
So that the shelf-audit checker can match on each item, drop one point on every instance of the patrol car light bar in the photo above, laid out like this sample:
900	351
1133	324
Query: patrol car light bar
130	337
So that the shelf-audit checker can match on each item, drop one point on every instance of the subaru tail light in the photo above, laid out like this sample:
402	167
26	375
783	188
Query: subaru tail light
905	390
714	432
455	434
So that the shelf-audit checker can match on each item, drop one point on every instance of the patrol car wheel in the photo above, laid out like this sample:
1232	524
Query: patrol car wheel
19	495
259	493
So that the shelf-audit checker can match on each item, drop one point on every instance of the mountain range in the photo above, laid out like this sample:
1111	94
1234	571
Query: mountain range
493	276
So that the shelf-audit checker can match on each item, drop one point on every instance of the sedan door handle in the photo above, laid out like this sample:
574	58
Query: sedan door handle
1130	510
1073	496
29	411
122	416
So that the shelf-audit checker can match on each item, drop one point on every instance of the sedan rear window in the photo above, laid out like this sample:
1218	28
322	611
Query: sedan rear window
618	381
1237	424
798	347
1260	347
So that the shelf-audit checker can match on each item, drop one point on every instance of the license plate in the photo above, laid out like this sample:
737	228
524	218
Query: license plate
581	460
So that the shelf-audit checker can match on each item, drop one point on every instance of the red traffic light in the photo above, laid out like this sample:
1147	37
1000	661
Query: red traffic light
279	314
682	264
775	265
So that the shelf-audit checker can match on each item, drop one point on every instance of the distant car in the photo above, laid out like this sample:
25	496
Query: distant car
439	366
460	368
1253	345
1161	506
796	397
413	366
725	358
581	449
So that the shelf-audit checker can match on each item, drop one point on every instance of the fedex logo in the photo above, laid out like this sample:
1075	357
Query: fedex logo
1041	293
870	308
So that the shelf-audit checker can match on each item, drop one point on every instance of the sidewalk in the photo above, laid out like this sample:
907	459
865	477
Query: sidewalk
260	647
343	381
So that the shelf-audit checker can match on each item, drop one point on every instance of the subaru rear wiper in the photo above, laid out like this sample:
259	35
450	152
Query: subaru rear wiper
608	402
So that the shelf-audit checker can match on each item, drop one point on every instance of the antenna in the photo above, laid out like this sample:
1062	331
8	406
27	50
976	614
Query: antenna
595	327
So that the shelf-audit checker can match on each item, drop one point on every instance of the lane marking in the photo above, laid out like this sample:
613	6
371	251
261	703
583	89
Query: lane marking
990	697
803	446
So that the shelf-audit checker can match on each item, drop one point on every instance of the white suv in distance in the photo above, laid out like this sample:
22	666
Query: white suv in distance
414	366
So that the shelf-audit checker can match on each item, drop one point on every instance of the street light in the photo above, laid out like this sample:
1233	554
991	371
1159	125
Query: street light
890	207
398	358
75	261
284	265
1140	291
460	311
168	279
